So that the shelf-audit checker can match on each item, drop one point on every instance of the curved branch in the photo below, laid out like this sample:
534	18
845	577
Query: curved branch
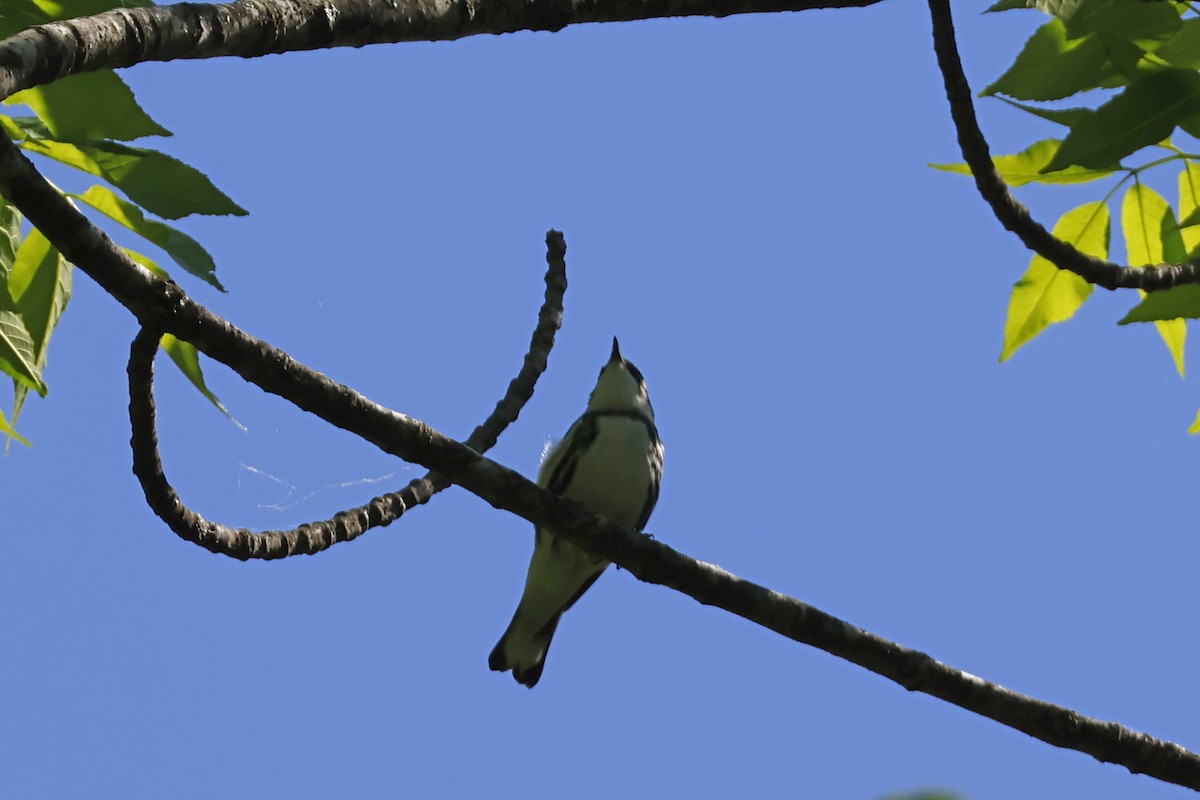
313	537
1011	213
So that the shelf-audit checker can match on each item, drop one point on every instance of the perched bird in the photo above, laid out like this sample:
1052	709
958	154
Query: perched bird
610	461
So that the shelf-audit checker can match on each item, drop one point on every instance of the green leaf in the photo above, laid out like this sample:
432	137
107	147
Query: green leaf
1007	5
1151	234
1051	66
89	106
10	128
186	357
1143	22
1174	336
1189	205
1178	302
1026	166
158	183
10	238
148	263
1063	116
1046	294
1183	49
40	286
16	352
1191	125
10	432
185	250
69	9
19	128
1062	9
1145	113
1131	59
19	15
1195	426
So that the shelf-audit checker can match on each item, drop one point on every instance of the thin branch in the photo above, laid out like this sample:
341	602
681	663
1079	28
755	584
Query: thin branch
313	537
1011	213
550	318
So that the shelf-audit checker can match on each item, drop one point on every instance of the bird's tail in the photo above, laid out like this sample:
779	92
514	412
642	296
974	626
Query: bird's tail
522	652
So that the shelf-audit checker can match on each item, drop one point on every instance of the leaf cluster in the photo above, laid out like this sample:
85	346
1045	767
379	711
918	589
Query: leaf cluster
85	123
1141	60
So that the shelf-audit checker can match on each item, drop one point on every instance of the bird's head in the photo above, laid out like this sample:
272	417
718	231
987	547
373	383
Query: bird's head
620	387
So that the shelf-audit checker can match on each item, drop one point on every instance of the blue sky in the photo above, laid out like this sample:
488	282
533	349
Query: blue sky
818	314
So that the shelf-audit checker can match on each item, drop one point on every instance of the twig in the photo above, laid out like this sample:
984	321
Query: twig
313	537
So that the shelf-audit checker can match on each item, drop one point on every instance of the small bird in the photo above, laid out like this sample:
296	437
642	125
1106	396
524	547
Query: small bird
611	461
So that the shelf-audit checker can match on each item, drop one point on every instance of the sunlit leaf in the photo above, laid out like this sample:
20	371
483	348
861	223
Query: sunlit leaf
89	106
157	182
20	14
1179	301
40	286
1026	166
187	358
1189	205
11	432
1145	113
1051	66
148	263
1151	236
1047	294
185	250
10	237
66	9
16	352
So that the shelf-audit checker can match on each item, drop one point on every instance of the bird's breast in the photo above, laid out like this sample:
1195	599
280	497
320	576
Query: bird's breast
614	475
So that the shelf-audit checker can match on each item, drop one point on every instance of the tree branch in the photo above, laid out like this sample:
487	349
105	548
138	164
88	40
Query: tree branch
46	53
313	537
127	36
1011	213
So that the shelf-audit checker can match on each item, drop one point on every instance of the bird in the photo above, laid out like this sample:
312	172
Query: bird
611	461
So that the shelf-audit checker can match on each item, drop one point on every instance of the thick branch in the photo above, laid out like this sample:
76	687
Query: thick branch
1011	213
129	36
313	537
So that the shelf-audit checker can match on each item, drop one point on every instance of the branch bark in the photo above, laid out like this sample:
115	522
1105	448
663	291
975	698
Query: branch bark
311	538
127	36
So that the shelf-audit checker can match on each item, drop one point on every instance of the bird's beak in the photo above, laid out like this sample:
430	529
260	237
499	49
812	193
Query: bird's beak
616	352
